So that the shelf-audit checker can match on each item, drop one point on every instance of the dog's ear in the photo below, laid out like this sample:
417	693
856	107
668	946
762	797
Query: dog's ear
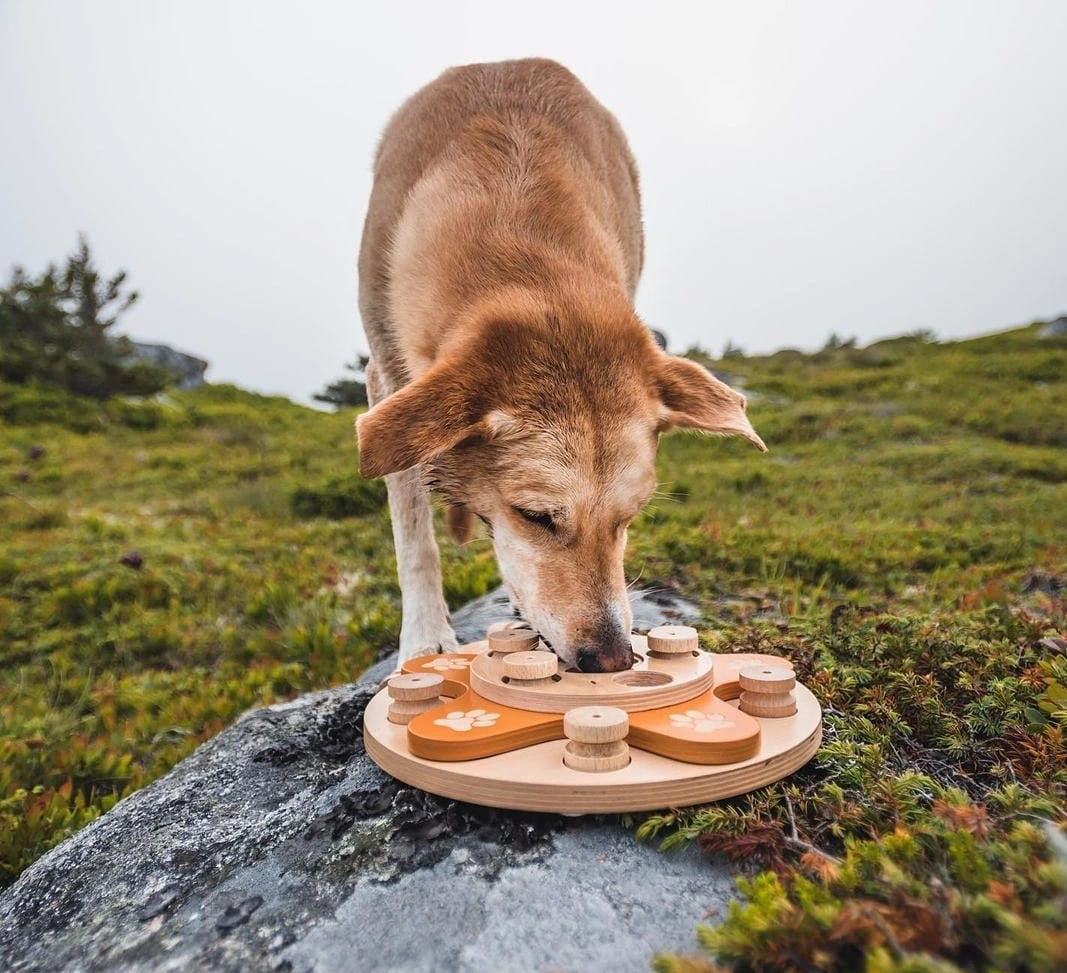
425	418
691	397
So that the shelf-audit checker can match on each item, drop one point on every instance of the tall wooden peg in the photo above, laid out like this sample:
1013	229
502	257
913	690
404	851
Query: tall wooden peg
667	640
596	738
767	691
413	693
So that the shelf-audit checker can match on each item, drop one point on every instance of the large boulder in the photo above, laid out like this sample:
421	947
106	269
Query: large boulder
279	845
188	370
1055	329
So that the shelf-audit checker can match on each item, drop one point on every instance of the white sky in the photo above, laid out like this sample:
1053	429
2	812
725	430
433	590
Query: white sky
807	167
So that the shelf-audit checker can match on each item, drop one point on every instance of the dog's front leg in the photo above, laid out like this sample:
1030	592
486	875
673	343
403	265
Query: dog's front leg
424	627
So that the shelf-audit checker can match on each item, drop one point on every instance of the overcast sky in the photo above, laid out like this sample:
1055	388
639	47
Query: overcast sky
812	167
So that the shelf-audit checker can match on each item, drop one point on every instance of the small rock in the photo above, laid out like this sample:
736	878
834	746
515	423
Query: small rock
238	915
35	452
282	939
157	903
132	559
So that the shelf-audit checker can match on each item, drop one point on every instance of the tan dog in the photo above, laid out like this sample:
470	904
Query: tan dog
509	371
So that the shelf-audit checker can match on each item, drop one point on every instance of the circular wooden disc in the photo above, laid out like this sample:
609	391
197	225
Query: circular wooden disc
530	665
766	679
512	640
767	704
420	685
609	756
596	724
404	711
672	639
653	681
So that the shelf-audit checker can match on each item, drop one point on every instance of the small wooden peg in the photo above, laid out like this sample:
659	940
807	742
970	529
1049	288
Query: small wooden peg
512	640
768	705
530	665
596	738
413	686
411	694
767	679
508	625
672	640
596	724
767	691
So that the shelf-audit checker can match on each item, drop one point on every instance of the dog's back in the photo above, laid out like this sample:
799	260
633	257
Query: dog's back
513	121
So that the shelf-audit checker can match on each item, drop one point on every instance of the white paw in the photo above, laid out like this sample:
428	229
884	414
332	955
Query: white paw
694	719
419	640
462	722
443	663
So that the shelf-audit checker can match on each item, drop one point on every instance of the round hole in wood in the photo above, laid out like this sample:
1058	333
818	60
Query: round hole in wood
643	677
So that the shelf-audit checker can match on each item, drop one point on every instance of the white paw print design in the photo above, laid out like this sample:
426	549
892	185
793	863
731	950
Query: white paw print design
462	722
694	719
442	663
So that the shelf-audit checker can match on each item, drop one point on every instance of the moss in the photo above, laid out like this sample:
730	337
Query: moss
903	541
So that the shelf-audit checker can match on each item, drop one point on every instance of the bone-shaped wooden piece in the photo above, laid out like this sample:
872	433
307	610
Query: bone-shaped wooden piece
705	730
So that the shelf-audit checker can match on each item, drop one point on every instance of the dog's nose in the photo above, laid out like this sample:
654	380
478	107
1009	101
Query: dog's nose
613	657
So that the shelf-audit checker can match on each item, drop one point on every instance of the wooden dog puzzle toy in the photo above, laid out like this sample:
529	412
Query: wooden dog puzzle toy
503	723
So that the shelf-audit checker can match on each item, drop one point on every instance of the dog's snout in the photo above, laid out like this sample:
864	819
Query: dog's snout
612	655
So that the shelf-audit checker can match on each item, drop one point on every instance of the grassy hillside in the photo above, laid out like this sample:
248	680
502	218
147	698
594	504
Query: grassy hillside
163	566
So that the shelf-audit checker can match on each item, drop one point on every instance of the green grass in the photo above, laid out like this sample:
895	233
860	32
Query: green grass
905	541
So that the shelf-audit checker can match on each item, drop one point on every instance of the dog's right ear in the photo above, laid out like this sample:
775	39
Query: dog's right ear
425	418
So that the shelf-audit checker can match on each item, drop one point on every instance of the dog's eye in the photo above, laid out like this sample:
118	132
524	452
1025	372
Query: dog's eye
537	517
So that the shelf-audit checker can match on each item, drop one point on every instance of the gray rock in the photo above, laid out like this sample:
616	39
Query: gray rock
279	845
188	370
1054	329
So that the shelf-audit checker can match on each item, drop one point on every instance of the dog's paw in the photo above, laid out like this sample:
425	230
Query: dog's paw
414	644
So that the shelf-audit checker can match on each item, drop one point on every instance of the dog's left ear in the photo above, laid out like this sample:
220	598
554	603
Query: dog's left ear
693	398
421	420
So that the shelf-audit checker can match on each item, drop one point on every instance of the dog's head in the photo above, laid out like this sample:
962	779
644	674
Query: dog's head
548	433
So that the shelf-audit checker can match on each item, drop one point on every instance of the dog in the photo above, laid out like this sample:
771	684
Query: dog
509	372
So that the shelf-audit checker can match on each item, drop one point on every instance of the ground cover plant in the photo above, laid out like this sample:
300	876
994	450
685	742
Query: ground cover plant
166	563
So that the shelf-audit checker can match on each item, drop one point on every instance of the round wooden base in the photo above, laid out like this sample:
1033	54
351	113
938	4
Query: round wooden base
535	778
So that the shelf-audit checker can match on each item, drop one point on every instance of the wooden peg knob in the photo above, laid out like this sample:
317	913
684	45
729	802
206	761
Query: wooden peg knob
767	691
672	640
415	686
530	665
596	738
511	640
411	694
596	724
508	625
767	679
767	705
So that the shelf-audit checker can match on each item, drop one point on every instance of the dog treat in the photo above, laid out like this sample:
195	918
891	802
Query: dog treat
672	640
530	665
596	738
512	640
767	691
412	694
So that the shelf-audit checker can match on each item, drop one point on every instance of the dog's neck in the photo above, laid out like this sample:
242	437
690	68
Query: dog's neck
506	224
